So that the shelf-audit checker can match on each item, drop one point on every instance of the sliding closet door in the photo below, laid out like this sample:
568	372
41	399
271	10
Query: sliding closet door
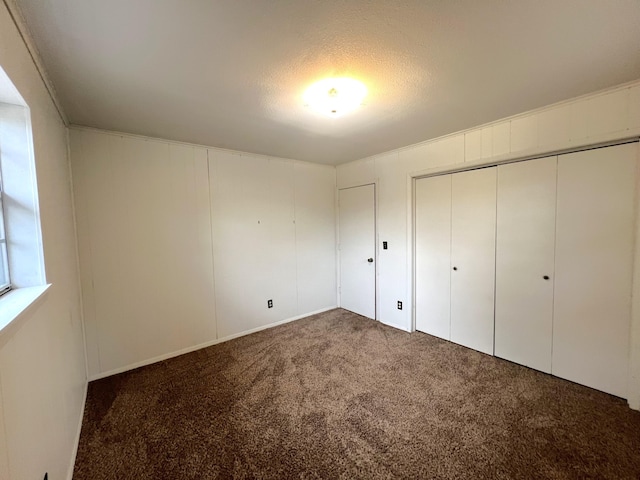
525	239
594	258
433	255
473	237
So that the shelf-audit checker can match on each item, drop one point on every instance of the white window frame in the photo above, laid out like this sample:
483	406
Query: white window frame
4	257
20	211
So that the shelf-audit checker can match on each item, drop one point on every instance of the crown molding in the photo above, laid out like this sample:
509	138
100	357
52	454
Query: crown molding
23	30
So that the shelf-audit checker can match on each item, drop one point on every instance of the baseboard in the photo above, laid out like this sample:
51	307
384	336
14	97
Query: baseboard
275	324
210	343
395	325
77	441
159	358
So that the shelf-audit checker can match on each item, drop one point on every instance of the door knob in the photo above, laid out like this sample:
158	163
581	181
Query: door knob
370	260
455	268
546	277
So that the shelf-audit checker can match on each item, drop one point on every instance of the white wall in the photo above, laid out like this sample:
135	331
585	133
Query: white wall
145	247
42	364
182	246
602	117
274	238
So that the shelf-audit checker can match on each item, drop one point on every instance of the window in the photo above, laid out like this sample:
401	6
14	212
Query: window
21	250
5	282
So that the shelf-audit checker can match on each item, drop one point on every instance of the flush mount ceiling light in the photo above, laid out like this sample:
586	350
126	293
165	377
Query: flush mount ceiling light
335	96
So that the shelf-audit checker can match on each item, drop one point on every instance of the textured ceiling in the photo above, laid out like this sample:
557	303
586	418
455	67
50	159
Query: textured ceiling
231	73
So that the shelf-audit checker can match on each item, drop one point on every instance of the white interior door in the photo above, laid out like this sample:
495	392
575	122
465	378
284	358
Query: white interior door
594	261
433	255
526	223
473	247
357	250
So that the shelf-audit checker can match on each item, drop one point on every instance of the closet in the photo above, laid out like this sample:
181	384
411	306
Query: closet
456	260
532	262
526	213
473	248
433	257
594	267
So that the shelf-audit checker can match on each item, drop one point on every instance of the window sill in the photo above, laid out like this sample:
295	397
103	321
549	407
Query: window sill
15	304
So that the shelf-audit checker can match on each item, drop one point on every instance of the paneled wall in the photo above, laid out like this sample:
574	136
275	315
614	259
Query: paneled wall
601	117
42	364
145	247
182	246
604	116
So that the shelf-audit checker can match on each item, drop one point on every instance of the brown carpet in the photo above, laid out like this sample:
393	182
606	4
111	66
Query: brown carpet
339	396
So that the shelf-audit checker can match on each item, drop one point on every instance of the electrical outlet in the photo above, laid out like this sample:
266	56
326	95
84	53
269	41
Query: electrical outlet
399	305
269	303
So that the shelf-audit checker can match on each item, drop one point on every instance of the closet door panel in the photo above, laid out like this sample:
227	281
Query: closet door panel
433	255
525	244
473	236
594	258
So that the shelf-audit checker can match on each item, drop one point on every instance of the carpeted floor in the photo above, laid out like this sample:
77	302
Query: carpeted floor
340	396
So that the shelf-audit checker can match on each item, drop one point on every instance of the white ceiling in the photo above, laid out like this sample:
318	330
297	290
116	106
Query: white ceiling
231	73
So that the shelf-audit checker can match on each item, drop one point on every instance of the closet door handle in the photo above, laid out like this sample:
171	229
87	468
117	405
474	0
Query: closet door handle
370	260
546	277
455	268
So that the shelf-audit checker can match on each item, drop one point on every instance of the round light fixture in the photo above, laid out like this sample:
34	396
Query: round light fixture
335	96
